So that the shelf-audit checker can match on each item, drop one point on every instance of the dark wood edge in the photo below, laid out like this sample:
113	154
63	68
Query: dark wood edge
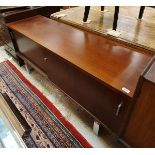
30	12
13	8
19	60
21	119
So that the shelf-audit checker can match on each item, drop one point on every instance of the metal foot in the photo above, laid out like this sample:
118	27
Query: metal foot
114	33
58	16
139	20
104	11
87	22
96	127
28	68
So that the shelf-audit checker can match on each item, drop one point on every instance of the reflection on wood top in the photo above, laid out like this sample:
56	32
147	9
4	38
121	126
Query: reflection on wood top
112	63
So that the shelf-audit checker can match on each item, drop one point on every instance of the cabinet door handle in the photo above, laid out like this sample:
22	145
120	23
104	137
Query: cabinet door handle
45	59
119	108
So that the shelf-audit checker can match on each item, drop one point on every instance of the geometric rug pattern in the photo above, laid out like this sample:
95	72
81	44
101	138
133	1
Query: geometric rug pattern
49	128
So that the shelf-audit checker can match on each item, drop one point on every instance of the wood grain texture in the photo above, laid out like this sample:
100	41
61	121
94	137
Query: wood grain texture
140	129
112	63
134	32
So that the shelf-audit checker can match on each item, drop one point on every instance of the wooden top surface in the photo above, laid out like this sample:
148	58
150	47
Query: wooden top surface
112	63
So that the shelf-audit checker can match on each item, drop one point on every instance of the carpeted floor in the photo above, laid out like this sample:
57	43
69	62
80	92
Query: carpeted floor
49	127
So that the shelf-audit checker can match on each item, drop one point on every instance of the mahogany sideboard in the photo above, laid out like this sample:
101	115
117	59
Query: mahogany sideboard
101	75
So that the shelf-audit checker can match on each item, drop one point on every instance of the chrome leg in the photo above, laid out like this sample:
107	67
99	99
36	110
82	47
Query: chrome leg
28	67
96	127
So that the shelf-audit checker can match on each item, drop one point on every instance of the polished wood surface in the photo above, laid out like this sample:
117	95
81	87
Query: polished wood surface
140	131
112	63
97	99
133	31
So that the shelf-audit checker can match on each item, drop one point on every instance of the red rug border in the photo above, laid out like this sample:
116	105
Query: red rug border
50	105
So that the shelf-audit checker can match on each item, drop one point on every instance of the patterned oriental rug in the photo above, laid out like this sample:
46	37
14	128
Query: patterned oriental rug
49	127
